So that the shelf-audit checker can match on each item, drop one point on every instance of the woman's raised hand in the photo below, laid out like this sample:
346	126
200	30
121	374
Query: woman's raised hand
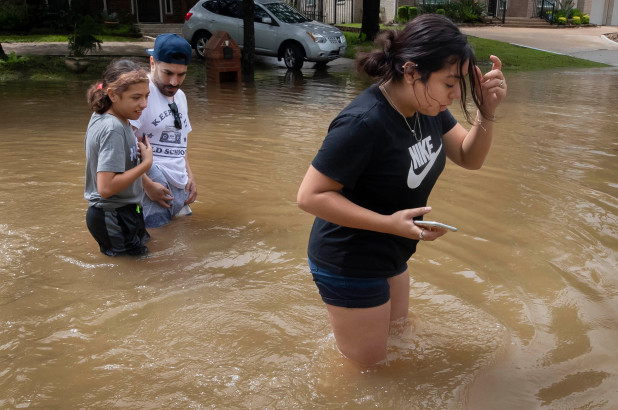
492	85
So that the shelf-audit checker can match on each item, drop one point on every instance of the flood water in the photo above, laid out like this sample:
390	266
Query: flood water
517	310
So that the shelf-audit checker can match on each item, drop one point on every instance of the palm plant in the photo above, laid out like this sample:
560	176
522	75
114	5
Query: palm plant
83	41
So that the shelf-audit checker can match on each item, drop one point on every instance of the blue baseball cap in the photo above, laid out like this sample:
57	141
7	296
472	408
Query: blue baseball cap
171	48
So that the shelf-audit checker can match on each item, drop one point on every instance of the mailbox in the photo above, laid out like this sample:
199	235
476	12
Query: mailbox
222	58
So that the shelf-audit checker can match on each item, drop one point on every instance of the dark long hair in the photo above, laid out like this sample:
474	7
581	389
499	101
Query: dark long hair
431	41
118	75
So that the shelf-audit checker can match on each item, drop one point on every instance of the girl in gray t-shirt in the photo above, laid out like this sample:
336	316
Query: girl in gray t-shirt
115	160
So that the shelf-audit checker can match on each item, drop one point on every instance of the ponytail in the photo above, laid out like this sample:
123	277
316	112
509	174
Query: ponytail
98	100
377	63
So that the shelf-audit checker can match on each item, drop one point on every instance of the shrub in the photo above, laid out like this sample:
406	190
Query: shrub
13	60
453	11
469	17
566	8
428	8
42	20
13	16
83	41
585	19
119	29
464	11
402	14
471	10
576	13
412	12
559	13
562	20
577	20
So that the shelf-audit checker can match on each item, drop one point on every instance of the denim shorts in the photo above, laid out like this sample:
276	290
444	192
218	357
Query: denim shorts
156	215
350	292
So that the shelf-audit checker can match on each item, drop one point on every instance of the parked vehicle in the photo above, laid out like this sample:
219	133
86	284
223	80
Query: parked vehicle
280	31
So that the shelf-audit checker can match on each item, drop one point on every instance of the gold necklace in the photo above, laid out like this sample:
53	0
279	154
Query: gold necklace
413	131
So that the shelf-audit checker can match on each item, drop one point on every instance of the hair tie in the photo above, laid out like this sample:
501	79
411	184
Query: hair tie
100	86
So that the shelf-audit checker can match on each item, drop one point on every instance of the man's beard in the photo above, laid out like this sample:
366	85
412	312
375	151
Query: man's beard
167	90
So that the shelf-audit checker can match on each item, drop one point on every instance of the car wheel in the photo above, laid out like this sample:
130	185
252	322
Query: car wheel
199	43
293	56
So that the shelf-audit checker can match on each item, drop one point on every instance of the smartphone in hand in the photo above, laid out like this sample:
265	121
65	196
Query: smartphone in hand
432	224
144	140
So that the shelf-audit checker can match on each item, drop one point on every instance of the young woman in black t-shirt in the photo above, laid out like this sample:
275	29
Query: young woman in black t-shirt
376	168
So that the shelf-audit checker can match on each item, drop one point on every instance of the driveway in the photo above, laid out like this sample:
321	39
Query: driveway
588	43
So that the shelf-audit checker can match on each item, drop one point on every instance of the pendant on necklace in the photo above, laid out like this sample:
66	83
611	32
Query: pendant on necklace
412	130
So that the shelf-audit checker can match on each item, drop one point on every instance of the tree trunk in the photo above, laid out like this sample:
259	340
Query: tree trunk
3	55
371	19
248	51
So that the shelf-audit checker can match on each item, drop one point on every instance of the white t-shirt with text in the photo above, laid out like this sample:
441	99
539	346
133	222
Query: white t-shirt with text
169	144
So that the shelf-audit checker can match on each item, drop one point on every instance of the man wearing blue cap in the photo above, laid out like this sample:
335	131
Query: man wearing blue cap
169	186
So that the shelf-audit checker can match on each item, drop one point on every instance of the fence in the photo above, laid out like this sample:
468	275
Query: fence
546	10
325	11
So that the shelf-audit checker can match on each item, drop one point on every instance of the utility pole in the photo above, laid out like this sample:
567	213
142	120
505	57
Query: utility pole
248	49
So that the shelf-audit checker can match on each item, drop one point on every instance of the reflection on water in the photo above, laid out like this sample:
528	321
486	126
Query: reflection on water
516	310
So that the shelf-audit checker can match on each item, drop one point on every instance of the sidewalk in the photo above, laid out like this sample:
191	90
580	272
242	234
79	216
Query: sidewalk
113	48
588	43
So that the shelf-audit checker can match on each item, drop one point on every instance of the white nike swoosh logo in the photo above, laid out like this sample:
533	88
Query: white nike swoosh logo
415	180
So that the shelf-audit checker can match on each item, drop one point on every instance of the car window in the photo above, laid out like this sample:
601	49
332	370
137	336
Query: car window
286	13
229	8
259	13
213	6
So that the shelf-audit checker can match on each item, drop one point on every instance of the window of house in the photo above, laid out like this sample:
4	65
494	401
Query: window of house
168	7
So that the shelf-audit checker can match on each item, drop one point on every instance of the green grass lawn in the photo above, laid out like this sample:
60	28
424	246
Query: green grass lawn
514	58
517	58
34	38
57	38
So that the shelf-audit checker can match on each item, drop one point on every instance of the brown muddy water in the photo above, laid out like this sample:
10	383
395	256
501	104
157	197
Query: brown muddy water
517	310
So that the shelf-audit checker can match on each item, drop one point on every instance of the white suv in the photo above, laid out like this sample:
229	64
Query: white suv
280	31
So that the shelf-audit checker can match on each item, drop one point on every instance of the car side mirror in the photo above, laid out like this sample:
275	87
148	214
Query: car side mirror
267	20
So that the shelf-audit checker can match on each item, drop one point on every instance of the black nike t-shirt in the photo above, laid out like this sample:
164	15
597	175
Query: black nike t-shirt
370	150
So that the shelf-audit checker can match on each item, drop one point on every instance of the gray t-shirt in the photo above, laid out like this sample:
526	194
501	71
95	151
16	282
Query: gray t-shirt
111	146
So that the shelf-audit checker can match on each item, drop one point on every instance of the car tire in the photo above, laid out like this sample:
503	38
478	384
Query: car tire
293	56
199	43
